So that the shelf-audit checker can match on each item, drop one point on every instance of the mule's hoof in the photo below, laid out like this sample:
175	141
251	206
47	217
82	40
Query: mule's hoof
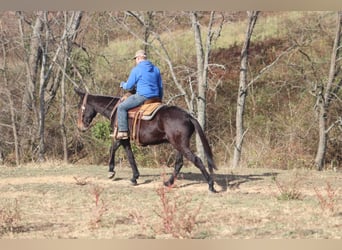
213	190
134	182
168	184
111	175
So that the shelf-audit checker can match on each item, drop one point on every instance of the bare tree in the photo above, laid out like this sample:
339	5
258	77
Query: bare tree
4	43
243	86
71	29
32	57
69	34
13	121
146	21
327	94
245	83
202	55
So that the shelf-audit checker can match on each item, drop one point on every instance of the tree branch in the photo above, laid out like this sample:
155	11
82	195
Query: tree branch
5	125
268	67
337	122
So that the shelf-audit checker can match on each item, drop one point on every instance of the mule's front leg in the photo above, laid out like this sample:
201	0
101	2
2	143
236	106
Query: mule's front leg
113	148
127	145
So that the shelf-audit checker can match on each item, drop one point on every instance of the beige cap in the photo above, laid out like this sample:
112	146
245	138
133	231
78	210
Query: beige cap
140	53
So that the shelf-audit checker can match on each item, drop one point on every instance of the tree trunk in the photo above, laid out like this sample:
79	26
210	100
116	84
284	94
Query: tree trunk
63	114
2	157
11	108
322	141
242	92
202	55
325	97
42	86
14	128
32	57
201	81
71	33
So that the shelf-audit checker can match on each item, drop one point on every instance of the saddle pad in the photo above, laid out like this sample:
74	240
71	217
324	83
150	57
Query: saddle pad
146	111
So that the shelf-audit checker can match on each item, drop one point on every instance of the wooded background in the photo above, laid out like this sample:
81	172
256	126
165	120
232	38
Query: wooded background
265	86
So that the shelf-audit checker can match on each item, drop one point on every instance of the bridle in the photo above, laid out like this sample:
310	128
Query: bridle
84	103
80	123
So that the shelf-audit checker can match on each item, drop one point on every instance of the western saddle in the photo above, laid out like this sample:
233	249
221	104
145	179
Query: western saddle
146	112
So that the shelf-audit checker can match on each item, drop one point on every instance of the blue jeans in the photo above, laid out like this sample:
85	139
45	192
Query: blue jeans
131	102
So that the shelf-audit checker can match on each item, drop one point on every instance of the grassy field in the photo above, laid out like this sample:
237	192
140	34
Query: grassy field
56	201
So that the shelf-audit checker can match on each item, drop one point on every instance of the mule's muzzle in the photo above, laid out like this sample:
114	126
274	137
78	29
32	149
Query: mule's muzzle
81	127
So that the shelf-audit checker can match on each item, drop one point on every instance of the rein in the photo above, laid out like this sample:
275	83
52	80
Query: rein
117	104
114	109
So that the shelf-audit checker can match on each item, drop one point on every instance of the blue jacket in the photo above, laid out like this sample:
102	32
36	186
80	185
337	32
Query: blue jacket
146	78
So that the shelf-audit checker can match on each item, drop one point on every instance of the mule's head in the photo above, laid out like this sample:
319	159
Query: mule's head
86	112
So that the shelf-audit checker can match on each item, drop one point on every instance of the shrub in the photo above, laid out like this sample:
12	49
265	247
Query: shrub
289	191
328	201
101	130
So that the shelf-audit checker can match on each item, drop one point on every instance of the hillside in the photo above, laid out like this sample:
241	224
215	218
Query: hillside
280	118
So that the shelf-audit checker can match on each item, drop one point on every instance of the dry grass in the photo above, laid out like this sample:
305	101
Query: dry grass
9	217
52	204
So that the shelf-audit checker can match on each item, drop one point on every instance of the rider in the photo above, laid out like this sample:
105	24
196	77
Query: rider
146	79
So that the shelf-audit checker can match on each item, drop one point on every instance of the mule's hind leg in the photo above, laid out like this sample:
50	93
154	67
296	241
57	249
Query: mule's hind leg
131	159
178	166
199	164
113	148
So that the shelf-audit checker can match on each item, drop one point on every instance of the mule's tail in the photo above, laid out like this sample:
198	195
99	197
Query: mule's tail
205	143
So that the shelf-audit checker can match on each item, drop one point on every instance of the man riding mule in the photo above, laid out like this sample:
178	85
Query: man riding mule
170	124
145	78
161	124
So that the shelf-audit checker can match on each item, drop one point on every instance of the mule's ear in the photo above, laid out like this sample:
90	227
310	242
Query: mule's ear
79	91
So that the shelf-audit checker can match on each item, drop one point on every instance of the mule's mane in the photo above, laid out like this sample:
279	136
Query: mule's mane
100	98
105	96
